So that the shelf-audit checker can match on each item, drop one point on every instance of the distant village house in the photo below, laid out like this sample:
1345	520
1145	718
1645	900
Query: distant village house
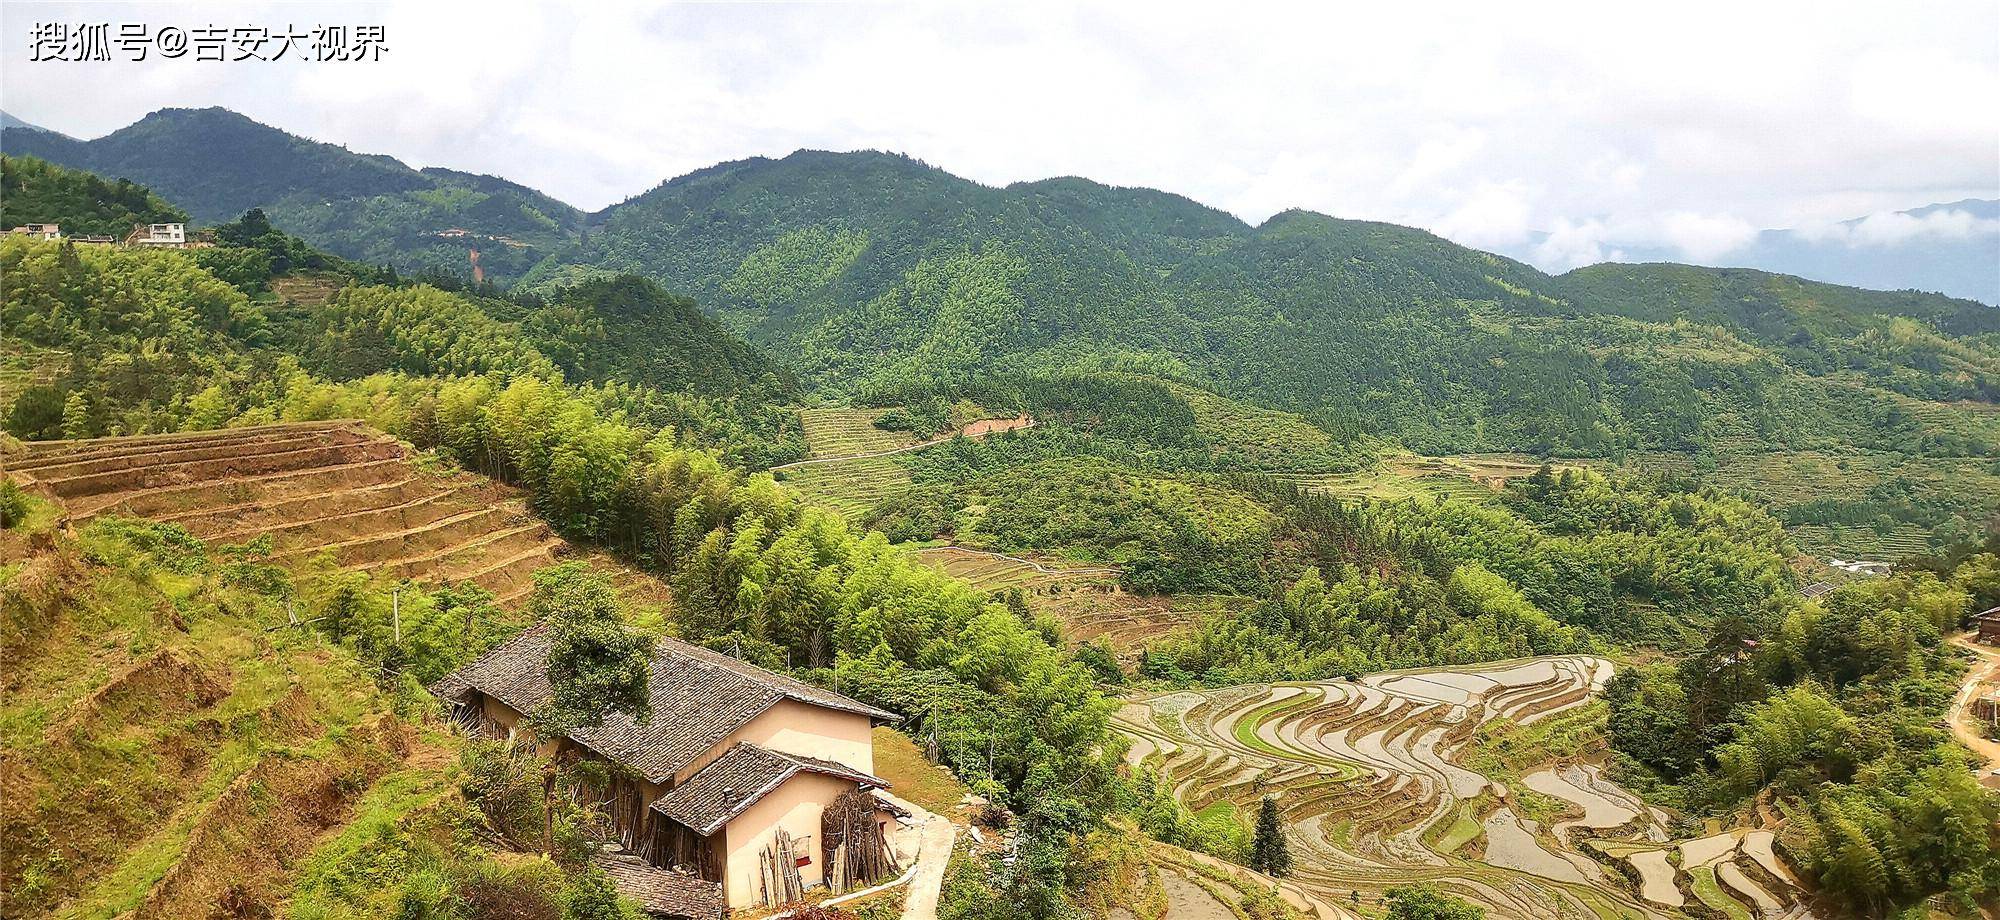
165	235
1862	567
39	231
732	773
1987	708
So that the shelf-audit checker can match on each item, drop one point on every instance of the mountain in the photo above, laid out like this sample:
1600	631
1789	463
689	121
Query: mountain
1951	248
629	329
879	276
10	122
218	164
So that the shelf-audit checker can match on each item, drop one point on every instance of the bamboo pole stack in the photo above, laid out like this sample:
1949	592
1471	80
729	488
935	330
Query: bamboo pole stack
856	853
780	866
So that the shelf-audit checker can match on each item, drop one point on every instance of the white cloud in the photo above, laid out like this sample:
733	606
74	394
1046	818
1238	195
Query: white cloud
1706	237
1892	228
1494	214
1485	123
1573	245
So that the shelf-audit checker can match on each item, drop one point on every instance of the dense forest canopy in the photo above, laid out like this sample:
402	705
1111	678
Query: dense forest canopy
1387	328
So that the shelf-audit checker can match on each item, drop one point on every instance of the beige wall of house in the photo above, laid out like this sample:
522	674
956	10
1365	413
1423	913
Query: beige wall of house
507	718
796	806
793	727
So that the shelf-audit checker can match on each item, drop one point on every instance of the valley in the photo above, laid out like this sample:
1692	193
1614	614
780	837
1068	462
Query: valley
1185	566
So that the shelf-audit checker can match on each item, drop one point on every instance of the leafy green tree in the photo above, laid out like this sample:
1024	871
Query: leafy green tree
13	503
36	191
1799	728
597	665
590	895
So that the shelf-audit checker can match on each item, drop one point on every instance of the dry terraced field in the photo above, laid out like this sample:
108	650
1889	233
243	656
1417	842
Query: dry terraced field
1470	477
1086	599
848	432
1376	782
853	464
852	487
333	491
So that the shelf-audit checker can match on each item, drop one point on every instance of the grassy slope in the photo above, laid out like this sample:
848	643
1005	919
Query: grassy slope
914	777
164	750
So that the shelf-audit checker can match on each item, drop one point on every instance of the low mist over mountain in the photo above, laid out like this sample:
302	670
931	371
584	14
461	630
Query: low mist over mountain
1951	248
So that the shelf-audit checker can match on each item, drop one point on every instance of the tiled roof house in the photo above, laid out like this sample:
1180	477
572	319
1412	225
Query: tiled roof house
731	754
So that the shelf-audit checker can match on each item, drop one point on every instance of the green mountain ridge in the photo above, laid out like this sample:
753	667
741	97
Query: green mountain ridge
881	278
369	207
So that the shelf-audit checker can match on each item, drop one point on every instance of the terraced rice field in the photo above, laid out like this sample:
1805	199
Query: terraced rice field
1792	478
1373	781
991	571
853	464
851	487
23	366
1470	477
848	432
1124	622
323	490
306	290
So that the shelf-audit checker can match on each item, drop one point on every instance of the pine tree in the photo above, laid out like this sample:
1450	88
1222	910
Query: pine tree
75	416
1268	852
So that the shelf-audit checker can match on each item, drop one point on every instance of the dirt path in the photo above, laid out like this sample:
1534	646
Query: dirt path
922	900
936	836
978	429
1187	900
1963	724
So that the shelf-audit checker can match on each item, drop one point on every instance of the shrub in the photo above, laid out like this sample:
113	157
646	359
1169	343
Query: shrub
13	504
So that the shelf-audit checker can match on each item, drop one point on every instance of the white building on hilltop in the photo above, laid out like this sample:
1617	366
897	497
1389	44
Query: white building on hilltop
173	235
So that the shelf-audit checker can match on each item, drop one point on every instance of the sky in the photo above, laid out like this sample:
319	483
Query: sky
1559	131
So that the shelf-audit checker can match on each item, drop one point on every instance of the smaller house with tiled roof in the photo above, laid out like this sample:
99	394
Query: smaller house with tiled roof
731	755
1987	622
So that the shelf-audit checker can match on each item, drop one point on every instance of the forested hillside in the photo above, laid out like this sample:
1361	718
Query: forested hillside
882	278
886	277
218	164
33	191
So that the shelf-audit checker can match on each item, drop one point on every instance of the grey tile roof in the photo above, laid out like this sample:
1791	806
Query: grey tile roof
661	892
738	779
698	698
